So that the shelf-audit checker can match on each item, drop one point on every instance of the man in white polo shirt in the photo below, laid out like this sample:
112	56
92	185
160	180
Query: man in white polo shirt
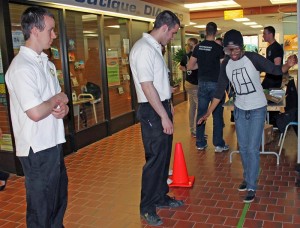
155	113
37	108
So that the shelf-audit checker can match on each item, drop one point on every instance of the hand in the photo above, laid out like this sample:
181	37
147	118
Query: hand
60	111
167	126
203	119
292	60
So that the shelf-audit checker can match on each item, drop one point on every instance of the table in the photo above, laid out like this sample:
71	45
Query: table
81	99
271	107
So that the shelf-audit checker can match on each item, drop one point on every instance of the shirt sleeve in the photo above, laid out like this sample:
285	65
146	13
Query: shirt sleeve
264	65
25	88
145	71
195	52
223	80
278	52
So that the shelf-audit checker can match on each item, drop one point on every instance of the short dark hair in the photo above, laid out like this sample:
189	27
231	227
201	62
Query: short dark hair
168	18
33	17
211	28
270	29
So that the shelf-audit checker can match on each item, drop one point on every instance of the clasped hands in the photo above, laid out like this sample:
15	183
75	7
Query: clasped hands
61	108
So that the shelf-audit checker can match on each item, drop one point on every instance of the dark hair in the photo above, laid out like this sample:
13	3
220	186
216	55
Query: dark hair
168	18
270	29
211	28
33	17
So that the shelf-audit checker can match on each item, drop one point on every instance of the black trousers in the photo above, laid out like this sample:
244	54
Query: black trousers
158	148
3	176
46	183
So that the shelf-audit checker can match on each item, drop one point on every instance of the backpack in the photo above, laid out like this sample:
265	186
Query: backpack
283	119
93	89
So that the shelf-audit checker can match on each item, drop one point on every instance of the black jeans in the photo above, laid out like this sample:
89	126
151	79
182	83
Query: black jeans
46	183
158	148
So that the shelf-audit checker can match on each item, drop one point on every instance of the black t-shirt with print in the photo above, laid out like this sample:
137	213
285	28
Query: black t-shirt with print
208	54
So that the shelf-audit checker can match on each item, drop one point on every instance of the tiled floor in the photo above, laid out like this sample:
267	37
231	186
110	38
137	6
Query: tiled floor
104	185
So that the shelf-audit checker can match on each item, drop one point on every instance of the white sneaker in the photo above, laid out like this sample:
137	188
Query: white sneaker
220	149
169	181
202	147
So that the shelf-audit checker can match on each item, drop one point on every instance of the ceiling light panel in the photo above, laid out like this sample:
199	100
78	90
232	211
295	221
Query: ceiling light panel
250	23
256	26
200	26
212	5
241	19
282	1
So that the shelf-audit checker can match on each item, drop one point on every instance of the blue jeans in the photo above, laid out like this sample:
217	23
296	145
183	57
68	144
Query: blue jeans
249	129
158	148
206	92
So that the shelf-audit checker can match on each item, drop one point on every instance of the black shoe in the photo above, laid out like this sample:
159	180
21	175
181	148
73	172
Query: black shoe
152	218
170	202
243	186
250	196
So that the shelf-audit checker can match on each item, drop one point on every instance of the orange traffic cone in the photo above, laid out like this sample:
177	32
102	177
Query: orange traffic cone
180	176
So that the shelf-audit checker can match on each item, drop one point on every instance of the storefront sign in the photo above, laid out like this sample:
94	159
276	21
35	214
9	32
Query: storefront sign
233	14
130	7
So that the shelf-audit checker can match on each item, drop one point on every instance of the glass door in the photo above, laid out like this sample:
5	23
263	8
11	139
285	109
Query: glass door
85	70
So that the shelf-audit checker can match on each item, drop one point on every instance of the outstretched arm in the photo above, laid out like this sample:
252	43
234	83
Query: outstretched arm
210	109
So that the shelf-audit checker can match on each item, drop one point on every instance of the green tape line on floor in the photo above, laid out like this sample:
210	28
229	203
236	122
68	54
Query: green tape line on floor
243	215
244	212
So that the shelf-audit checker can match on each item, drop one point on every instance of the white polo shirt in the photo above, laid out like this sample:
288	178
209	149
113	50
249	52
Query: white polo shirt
31	79
147	64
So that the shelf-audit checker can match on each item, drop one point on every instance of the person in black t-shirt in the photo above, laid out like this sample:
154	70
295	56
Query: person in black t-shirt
207	57
275	55
191	84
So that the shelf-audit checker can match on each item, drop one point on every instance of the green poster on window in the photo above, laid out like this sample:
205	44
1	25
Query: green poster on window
113	71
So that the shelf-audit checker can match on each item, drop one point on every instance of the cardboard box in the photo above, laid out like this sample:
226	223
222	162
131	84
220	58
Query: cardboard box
268	133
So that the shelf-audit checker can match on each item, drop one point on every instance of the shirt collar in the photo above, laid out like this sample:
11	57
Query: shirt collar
152	41
32	54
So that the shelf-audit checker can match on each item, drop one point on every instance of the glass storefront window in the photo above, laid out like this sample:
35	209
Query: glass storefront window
5	140
117	53
84	68
139	27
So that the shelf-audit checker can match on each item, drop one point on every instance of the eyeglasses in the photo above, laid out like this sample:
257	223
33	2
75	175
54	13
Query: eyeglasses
232	50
